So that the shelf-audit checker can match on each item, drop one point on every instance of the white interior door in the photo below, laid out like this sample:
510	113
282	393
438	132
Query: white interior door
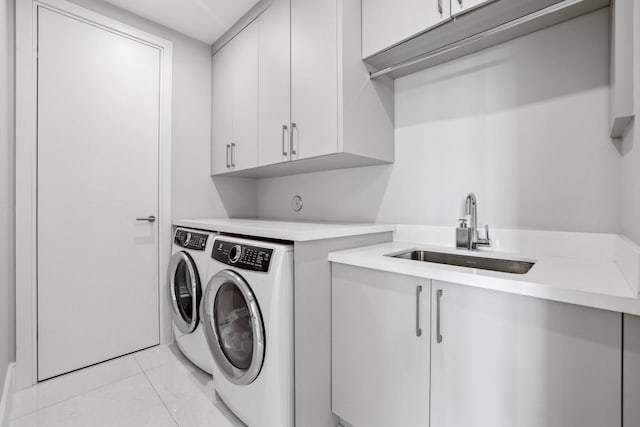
98	136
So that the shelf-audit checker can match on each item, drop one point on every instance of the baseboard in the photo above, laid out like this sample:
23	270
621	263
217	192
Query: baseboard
7	396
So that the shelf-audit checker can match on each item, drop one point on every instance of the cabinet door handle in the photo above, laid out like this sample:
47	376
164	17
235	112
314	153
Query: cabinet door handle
233	149
227	159
294	130
440	7
438	303
285	129
418	328
149	218
460	3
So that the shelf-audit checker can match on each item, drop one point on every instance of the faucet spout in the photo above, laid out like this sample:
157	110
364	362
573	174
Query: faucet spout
471	209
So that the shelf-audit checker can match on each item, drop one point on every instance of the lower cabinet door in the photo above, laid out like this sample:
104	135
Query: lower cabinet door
503	360
380	357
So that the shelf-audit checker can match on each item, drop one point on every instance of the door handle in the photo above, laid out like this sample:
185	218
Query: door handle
149	218
294	130
438	303
233	149
418	328
285	129
440	7
227	158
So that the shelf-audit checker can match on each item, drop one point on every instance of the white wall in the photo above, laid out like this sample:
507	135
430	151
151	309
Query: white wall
630	150
522	124
195	193
7	182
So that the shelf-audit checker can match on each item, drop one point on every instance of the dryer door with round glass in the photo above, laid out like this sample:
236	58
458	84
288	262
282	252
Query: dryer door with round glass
234	327
185	292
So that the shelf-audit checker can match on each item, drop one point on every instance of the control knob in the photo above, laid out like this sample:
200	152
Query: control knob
235	253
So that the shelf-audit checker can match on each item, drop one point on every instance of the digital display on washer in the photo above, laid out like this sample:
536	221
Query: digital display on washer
242	256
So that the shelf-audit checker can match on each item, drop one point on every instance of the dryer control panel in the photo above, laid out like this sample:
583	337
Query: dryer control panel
242	256
190	240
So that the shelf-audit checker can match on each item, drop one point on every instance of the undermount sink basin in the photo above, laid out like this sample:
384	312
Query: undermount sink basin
493	264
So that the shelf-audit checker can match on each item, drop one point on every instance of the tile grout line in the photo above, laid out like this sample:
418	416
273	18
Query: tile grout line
153	387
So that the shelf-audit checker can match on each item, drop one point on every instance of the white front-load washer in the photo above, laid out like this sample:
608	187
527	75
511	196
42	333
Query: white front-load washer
187	273
247	314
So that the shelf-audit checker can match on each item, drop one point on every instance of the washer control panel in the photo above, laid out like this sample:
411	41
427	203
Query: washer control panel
242	256
190	240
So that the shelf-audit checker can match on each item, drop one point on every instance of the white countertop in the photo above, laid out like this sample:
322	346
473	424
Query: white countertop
600	283
297	231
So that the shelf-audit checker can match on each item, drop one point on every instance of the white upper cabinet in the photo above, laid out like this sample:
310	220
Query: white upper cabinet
274	83
461	6
623	31
380	348
221	111
234	121
317	108
386	23
400	37
314	78
506	360
244	153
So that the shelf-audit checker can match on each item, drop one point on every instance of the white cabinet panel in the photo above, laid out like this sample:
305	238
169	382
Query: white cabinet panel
244	153
631	363
274	81
388	22
234	121
621	93
222	111
380	366
314	77
507	360
459	7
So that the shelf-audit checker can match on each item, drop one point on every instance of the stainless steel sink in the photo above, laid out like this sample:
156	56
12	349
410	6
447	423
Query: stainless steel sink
493	264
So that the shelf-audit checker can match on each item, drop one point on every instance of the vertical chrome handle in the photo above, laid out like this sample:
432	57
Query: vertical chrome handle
227	159
418	328
440	7
294	130
285	129
438	303
233	149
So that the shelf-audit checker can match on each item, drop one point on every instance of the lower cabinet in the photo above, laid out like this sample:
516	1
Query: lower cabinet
380	360
506	360
482	358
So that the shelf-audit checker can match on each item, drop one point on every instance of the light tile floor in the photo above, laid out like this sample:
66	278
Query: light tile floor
156	387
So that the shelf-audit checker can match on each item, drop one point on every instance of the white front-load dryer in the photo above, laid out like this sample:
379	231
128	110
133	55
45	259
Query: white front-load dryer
247	314
187	273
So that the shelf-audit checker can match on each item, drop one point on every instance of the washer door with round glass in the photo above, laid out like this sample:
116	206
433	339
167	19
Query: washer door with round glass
233	327
185	292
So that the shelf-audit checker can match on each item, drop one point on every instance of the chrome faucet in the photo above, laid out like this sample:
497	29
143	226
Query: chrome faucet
468	237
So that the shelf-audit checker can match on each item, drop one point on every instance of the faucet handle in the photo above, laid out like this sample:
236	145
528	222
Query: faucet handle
486	240
463	222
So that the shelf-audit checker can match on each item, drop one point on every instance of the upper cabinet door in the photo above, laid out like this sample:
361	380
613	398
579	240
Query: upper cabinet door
314	77
221	111
461	6
244	48
505	360
274	83
388	22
